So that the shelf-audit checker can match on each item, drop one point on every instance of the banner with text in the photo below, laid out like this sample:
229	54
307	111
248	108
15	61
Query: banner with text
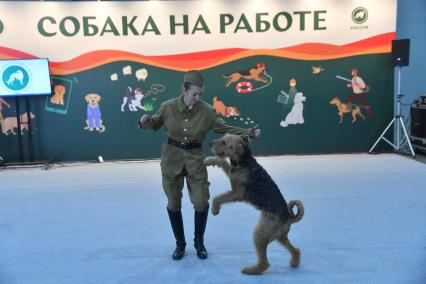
315	75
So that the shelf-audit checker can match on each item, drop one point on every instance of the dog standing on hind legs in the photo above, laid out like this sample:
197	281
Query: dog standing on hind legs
252	184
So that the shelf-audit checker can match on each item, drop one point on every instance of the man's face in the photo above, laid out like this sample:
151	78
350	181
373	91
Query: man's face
191	96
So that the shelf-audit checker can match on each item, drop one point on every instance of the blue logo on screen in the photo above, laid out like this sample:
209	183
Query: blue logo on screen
15	77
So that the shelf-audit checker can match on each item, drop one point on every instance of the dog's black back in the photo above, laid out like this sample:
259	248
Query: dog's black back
261	190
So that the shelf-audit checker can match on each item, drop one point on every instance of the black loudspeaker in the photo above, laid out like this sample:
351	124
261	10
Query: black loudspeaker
418	122
400	52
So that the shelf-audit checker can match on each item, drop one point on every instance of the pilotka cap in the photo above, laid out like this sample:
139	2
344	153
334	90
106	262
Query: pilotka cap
194	77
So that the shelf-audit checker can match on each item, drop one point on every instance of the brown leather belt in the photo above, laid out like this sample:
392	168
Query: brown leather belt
183	146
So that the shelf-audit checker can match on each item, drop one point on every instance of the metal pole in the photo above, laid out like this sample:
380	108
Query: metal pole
18	120
399	80
408	137
30	129
398	120
398	109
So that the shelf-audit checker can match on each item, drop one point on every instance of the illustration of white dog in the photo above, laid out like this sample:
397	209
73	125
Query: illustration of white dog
18	75
133	101
295	116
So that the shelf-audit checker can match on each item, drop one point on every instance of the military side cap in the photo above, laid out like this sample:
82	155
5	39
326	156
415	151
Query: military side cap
194	77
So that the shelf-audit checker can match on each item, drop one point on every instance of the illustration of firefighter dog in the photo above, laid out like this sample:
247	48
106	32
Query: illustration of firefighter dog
252	184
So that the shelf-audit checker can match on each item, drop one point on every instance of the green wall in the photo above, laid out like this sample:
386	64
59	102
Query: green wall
62	136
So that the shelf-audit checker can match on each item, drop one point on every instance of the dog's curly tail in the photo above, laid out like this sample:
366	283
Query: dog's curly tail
300	210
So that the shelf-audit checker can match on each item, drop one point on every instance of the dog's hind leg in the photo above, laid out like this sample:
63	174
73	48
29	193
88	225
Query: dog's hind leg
361	115
353	117
87	123
229	81
124	103
262	238
295	252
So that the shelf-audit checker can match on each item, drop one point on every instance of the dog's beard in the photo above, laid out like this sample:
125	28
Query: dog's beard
221	154
216	153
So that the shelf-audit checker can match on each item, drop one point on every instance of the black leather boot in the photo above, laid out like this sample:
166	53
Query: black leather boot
177	226
200	220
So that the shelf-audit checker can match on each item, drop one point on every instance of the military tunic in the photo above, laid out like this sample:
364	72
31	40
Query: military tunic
187	125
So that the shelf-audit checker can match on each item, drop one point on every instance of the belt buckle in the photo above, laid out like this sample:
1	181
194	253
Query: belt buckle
182	146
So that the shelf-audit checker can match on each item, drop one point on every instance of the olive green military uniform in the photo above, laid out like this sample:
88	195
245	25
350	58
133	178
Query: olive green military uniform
187	125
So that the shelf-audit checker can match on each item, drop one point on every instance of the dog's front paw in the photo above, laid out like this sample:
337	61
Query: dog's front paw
210	161
215	209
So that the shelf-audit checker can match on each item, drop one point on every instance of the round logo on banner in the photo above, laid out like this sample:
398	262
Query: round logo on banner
359	15
15	77
1	27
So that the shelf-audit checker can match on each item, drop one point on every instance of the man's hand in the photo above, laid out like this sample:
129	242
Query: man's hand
143	120
255	131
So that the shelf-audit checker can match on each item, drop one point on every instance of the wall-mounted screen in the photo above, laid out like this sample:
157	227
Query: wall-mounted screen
24	77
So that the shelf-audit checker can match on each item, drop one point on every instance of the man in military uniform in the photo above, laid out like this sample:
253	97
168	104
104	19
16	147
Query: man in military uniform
187	120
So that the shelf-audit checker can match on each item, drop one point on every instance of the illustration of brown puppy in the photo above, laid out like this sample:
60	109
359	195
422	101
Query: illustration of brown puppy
254	73
58	97
224	110
346	108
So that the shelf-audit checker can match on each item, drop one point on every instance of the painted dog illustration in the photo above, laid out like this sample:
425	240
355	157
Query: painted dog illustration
254	73
18	75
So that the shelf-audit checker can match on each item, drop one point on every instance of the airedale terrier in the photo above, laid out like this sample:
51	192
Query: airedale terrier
251	183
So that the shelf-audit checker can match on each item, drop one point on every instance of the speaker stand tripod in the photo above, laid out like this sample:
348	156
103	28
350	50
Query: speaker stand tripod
397	119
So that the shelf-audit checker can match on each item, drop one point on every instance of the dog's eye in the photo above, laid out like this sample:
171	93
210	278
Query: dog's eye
223	142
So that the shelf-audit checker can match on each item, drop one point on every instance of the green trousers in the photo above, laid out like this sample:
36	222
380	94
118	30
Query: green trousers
178	165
